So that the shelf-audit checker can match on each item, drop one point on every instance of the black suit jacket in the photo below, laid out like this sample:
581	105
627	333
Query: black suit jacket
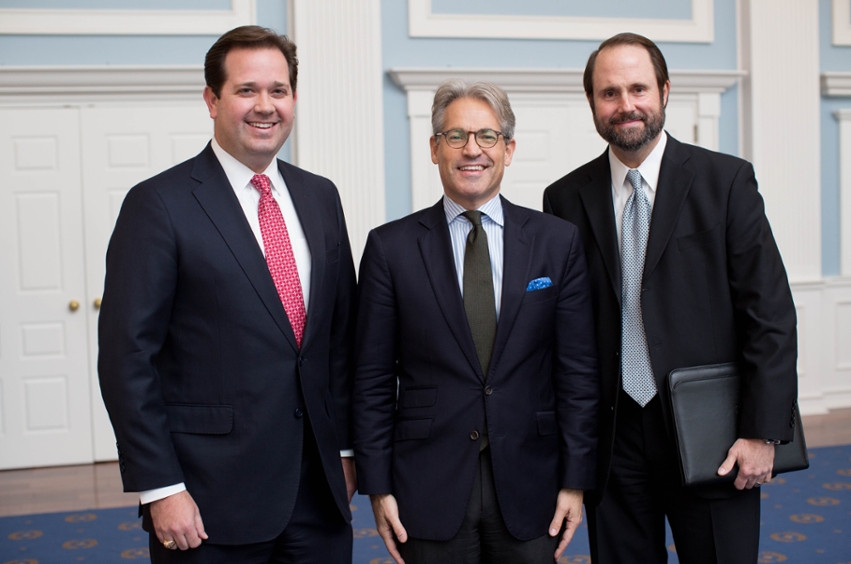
198	363
539	400
714	287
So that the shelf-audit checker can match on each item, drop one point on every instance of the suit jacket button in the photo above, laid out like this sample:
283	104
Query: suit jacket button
298	413
474	435
488	390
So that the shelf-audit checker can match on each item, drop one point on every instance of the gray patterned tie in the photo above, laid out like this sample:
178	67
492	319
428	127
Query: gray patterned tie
479	300
638	379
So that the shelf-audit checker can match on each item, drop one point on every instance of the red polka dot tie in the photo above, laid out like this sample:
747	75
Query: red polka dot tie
279	255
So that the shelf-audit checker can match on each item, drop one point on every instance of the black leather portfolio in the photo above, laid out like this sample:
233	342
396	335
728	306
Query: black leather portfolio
705	408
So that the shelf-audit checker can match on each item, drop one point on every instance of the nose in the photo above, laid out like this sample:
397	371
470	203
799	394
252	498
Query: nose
472	148
263	105
625	103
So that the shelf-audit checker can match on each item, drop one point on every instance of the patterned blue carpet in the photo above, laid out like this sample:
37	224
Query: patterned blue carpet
806	519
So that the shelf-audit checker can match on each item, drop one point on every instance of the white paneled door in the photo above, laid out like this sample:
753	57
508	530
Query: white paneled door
63	175
123	146
45	415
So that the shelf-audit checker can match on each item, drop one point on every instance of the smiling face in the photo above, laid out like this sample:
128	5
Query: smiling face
628	106
254	115
471	176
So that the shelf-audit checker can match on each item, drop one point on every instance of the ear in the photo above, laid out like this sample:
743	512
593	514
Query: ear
509	151
212	101
432	141
665	91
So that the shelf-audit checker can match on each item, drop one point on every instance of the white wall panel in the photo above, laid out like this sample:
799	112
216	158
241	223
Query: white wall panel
339	115
781	107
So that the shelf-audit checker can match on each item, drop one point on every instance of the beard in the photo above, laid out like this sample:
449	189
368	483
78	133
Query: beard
634	138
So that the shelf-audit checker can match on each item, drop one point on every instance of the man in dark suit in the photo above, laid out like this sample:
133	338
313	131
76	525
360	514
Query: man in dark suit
225	334
478	312
685	272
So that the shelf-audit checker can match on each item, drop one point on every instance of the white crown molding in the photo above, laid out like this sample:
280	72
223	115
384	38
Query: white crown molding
126	22
553	80
29	85
836	84
422	22
841	22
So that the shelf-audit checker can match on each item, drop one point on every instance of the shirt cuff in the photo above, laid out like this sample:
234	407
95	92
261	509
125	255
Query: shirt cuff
348	453
149	496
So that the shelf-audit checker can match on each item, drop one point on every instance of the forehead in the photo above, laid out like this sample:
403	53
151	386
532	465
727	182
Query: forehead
471	114
623	65
253	65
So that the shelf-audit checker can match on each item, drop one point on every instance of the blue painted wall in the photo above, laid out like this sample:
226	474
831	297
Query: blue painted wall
66	50
832	59
402	51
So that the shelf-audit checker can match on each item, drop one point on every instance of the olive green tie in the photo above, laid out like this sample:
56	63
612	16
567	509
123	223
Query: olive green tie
478	290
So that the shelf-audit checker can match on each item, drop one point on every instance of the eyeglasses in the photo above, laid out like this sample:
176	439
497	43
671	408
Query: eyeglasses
457	138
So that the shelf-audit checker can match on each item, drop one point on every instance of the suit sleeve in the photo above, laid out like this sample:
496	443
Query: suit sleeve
376	352
342	333
576	378
141	276
765	314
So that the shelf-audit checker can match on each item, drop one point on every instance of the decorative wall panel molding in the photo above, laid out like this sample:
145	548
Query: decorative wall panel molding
693	111
836	84
422	22
841	16
34	85
126	22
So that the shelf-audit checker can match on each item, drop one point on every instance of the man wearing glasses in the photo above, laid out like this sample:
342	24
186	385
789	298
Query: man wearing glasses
476	373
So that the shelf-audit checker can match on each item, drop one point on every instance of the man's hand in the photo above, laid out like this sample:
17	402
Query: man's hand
755	459
177	518
568	507
351	476
387	523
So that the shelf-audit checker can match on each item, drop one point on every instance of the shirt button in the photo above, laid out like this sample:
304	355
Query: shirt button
488	390
298	413
474	435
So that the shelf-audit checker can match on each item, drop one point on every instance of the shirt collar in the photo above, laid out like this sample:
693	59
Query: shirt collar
240	175
649	169
491	209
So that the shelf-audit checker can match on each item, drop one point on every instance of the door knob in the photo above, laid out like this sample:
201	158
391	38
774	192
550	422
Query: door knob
97	303
73	305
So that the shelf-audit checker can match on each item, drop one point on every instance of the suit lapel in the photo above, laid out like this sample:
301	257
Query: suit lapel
517	258
216	197
674	185
597	198
436	249
314	231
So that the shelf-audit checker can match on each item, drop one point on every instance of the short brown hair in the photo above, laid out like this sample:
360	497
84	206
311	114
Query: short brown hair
491	94
656	58
246	37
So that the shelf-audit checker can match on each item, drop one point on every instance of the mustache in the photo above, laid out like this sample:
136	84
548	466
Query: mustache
632	116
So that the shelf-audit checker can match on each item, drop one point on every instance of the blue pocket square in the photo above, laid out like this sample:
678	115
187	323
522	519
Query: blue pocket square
539	284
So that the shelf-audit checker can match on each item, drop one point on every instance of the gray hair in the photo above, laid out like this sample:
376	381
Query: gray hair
491	94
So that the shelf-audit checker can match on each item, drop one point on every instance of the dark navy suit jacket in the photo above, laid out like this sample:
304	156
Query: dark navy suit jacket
198	363
538	402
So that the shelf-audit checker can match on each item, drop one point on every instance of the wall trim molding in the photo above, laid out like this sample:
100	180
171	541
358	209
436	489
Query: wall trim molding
843	116
58	85
841	16
422	22
126	22
554	80
836	84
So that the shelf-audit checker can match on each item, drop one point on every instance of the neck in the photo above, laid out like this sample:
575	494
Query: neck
633	159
